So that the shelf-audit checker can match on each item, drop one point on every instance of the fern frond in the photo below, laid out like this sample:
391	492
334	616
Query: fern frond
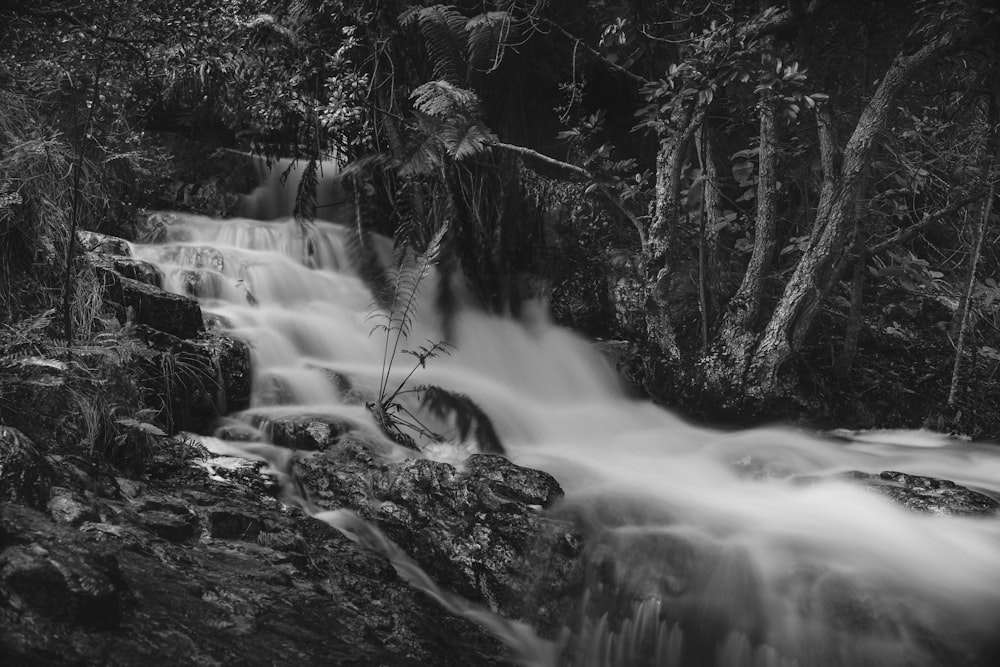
467	416
488	34
305	196
442	99
407	278
425	159
466	141
360	248
443	30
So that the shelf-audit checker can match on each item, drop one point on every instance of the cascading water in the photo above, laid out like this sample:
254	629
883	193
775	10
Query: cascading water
730	549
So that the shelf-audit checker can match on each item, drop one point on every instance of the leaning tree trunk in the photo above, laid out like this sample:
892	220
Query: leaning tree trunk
796	311
656	265
736	337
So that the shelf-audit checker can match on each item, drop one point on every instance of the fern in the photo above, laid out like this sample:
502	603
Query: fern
469	418
466	142
487	39
305	195
443	30
441	99
397	321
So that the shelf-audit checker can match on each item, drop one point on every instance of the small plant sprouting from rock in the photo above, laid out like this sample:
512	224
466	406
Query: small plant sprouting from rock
396	322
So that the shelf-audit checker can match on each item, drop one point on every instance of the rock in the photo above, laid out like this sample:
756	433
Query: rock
129	267
232	358
69	508
927	494
200	283
160	227
475	532
264	585
168	518
25	475
36	399
304	431
102	244
48	573
513	482
171	313
194	257
233	524
202	379
626	292
138	269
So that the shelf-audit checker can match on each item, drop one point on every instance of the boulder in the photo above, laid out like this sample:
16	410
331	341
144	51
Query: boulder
102	244
232	358
159	227
171	313
480	532
305	432
927	494
46	572
263	584
25	475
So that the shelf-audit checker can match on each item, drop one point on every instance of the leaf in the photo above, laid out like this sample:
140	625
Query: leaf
468	417
144	427
465	142
743	172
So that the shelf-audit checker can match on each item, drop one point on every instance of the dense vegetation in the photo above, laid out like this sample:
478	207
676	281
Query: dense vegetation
784	207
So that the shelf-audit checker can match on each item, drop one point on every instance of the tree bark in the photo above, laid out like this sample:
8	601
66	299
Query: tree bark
745	304
796	311
964	329
665	213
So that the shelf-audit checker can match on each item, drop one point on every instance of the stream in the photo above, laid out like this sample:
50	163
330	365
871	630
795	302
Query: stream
734	549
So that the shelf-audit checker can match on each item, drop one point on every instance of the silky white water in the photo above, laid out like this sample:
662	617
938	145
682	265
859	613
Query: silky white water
712	566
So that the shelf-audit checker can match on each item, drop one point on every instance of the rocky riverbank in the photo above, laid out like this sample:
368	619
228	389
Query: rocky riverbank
124	541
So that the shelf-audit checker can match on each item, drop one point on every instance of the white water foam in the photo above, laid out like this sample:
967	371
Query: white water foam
720	567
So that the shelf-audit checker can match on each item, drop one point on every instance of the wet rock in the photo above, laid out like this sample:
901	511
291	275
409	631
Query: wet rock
45	572
171	313
233	524
67	507
36	399
103	244
232	357
305	432
129	267
25	475
139	270
170	519
195	257
626	292
264	585
927	494
201	379
160	227
200	284
480	532
506	480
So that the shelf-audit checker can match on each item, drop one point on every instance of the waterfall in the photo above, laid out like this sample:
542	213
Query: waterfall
745	549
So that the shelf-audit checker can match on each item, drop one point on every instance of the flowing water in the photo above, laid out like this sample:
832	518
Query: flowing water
720	552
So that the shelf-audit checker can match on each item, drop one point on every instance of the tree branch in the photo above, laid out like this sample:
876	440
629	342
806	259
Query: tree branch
632	76
551	161
609	196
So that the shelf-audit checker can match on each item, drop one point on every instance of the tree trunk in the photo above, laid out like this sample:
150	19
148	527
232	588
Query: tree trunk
710	271
656	265
964	330
796	311
736	335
